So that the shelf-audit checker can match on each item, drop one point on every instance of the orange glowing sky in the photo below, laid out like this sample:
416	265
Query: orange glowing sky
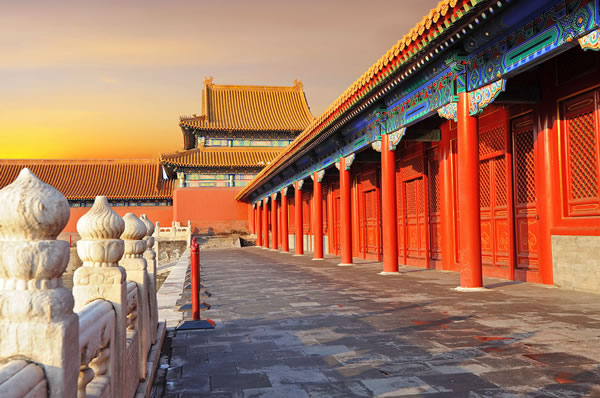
109	79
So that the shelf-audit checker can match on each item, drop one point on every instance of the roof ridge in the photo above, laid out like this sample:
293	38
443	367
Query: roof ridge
79	161
250	87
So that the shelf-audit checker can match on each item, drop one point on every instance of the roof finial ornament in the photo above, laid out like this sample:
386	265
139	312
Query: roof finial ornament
298	83
208	80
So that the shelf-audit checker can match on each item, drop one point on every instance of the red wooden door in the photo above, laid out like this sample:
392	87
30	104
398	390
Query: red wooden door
291	215
337	221
494	204
369	224
416	231
433	176
527	230
413	198
306	211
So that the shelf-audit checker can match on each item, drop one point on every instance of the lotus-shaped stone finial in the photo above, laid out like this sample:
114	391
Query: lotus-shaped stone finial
31	209
101	222
135	229
148	223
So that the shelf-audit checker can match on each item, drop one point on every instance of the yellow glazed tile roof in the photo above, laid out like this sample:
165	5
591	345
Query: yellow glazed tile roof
438	21
251	108
86	179
222	157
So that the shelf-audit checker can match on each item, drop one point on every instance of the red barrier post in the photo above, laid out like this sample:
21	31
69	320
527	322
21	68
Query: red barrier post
195	279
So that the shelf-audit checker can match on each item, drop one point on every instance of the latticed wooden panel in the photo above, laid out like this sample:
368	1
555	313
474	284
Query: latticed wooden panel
371	220
291	215
421	202
492	140
500	181
582	152
583	162
411	198
325	214
371	205
525	167
412	167
484	184
306	210
434	183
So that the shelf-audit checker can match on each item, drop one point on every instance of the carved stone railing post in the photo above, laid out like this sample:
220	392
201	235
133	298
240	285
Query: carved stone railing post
37	321
136	267
101	277
150	256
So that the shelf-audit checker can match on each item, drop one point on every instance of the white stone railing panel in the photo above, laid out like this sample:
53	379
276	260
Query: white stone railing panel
20	379
132	346
96	342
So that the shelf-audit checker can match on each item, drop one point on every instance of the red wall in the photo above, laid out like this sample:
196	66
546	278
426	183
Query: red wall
211	210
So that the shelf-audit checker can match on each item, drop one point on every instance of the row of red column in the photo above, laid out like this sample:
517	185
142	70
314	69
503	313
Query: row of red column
468	175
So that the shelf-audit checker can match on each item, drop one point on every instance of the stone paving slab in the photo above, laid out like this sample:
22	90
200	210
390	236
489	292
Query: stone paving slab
291	327
170	291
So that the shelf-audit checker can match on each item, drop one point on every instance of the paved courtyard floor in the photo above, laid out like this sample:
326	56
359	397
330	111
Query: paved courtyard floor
291	327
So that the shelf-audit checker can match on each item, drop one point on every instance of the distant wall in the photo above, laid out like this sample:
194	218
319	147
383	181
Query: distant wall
211	210
162	214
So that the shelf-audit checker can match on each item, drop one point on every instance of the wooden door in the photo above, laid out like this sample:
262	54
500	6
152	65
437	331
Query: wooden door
369	219
306	211
416	231
494	203
337	220
527	230
433	177
414	206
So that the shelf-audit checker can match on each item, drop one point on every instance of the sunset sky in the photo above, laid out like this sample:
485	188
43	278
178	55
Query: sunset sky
109	79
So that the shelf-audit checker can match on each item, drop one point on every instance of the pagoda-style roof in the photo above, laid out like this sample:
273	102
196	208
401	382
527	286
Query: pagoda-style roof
251	108
86	179
222	157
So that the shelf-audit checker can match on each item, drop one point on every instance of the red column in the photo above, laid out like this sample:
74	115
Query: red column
388	207
318	217
274	221
258	224
250	218
299	223
447	200
345	214
265	223
468	203
285	245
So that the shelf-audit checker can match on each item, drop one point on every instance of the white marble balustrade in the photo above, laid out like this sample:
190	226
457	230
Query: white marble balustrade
111	311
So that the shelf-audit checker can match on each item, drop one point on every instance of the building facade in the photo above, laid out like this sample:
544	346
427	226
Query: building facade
241	130
472	145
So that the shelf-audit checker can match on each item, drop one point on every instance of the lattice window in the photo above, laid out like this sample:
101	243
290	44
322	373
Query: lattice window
500	181
434	184
420	192
371	205
484	181
491	141
412	167
325	219
411	200
525	164
582	156
582	152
